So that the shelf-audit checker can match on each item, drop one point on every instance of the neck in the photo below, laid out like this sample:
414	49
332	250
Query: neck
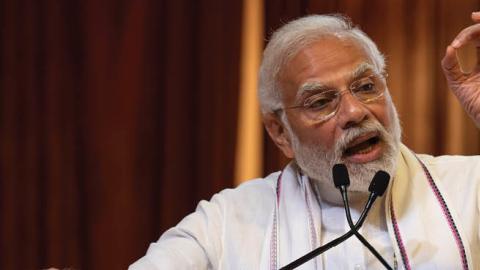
331	195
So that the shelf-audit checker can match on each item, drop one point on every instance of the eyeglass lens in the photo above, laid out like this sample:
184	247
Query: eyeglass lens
324	105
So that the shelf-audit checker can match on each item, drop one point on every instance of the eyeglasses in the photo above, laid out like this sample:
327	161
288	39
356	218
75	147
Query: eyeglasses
324	105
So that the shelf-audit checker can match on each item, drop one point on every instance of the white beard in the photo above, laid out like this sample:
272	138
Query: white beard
317	162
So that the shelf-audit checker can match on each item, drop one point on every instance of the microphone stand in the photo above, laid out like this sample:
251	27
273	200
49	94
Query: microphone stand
377	188
343	191
312	254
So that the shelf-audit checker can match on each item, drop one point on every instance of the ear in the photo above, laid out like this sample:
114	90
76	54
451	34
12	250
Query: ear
278	133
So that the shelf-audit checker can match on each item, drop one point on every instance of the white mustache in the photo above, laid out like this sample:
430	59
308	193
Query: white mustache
368	126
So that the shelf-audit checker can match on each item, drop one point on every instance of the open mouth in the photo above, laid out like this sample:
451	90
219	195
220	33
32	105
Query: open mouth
362	145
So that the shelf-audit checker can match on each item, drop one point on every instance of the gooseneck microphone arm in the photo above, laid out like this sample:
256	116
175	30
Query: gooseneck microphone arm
312	254
377	188
357	234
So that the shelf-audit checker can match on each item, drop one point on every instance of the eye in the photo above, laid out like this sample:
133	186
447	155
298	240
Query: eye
319	102
366	87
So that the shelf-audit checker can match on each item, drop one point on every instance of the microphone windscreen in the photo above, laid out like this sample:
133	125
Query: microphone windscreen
340	175
379	183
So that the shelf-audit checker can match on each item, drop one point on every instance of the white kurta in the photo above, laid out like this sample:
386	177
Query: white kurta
265	224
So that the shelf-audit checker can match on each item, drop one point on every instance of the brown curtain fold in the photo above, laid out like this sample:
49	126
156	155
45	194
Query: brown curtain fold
117	117
413	35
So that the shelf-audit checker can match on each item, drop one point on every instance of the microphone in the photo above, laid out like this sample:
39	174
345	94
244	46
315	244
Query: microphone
377	188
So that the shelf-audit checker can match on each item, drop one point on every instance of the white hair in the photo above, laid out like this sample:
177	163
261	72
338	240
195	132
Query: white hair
289	39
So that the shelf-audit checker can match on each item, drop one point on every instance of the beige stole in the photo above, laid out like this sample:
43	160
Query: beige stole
423	226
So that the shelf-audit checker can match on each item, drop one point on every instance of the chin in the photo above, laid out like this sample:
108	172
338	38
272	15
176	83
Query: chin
361	174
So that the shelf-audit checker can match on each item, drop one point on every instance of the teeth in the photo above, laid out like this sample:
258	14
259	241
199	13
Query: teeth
365	150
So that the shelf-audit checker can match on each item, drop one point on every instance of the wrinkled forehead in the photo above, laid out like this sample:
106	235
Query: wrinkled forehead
331	41
328	60
361	70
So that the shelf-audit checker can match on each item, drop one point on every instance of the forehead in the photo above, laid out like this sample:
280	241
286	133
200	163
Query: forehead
330	60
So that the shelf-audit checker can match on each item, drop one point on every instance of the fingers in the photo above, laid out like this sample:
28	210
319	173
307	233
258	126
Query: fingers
450	65
477	67
469	34
476	17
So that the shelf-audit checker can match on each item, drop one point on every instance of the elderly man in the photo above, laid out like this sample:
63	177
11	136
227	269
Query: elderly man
324	101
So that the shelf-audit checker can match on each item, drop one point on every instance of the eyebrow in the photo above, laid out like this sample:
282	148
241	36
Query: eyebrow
360	70
315	86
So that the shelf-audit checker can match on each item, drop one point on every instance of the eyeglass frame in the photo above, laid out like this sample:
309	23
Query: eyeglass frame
339	93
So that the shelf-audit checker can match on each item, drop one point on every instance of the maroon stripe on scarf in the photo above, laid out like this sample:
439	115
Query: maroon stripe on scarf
447	215
398	237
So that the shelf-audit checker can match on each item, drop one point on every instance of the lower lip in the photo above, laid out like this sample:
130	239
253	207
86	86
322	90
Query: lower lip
374	153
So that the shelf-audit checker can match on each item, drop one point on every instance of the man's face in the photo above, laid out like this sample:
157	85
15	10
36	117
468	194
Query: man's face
364	136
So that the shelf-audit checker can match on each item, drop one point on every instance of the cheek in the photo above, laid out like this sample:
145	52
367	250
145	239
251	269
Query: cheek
383	112
323	135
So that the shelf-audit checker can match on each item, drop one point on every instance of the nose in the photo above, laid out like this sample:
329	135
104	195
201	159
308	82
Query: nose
351	111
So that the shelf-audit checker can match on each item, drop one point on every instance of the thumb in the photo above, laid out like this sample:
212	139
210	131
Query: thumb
450	65
476	16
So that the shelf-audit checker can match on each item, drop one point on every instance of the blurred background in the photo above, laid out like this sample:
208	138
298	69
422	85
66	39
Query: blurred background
118	116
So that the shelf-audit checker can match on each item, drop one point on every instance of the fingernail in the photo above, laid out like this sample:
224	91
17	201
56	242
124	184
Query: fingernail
456	43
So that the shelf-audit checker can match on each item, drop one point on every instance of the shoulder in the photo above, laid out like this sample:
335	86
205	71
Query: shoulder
459	177
254	187
254	194
458	174
449	165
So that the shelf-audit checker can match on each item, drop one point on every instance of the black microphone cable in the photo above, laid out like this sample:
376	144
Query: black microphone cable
377	188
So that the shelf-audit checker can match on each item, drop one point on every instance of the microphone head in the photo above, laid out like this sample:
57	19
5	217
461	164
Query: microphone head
340	175
379	183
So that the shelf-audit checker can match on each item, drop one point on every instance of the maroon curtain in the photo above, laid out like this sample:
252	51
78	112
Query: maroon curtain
116	118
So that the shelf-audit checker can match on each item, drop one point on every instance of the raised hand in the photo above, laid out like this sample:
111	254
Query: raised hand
466	86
